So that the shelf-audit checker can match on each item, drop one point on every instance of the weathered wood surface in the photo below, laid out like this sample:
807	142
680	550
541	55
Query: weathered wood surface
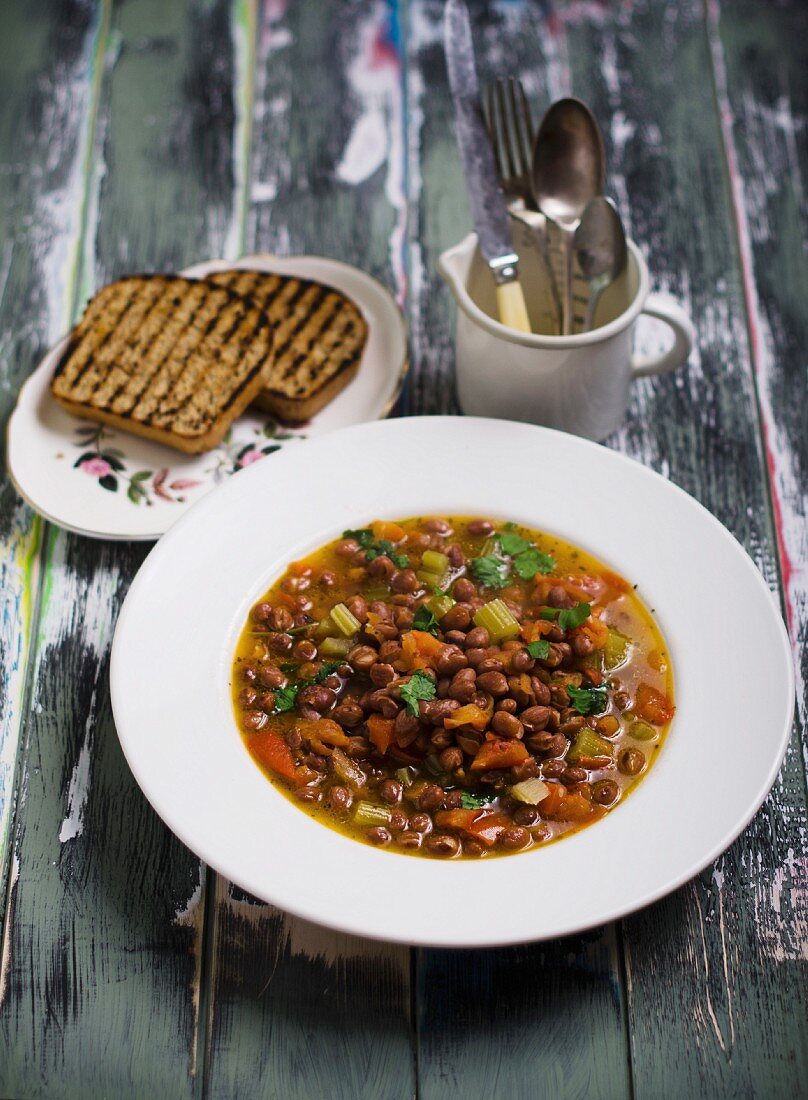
144	135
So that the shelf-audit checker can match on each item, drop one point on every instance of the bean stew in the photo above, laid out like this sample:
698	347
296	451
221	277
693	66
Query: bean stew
452	686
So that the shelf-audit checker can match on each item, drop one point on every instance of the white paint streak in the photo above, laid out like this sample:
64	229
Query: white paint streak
242	26
5	957
79	789
192	915
188	915
705	961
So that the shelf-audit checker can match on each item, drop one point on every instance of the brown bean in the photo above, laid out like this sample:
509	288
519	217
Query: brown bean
558	696
526	815
451	660
541	691
454	637
539	742
379	836
506	704
260	612
453	800
521	661
573	775
291	584
506	725
247	696
553	769
457	559
478	528
327	579
558	745
403	617
514	838
468	740
382	702
381	569
421	823
622	700
302	603
386	630
249	673
572	725
463	685
358	746
441	844
527	769
582	645
266	701
346	548
382	674
431	797
607	726
438	525
340	798
605	792
253	720
349	714
443	687
559	597
293	738
358	607
390	651
318	697
463	590
631	761
390	791
305	650
451	758
490	664
308	794
406	728
280	643
398	821
554	720
493	682
478	638
456	618
474	656
410	840
361	657
436	710
440	738
405	581
279	618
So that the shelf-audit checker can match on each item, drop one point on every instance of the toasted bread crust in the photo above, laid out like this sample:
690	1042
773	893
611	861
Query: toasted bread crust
320	336
168	358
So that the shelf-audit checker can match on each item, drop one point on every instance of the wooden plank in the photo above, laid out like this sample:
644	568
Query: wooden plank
716	1004
45	104
296	1008
546	1019
103	952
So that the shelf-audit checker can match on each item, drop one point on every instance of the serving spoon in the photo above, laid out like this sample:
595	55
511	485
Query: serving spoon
568	170
599	244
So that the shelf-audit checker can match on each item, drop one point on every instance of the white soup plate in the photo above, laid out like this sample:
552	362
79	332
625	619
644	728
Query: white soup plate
171	668
101	482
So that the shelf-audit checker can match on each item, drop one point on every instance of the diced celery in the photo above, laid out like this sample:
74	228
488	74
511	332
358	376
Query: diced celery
431	580
335	647
434	561
345	622
642	731
497	619
405	776
326	628
367	813
587	743
348	770
529	791
616	649
440	605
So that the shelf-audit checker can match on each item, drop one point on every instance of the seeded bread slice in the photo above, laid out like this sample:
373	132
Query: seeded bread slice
175	360
320	335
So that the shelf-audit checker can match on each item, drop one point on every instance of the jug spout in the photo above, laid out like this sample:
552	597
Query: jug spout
453	267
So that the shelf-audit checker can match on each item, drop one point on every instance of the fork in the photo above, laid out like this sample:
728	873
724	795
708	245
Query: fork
510	129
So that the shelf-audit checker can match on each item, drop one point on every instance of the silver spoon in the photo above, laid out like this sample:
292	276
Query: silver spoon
600	249
568	169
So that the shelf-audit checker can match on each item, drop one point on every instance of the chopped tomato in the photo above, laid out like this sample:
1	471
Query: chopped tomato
419	650
273	752
563	805
483	825
534	629
653	706
385	529
498	754
380	731
470	715
595	630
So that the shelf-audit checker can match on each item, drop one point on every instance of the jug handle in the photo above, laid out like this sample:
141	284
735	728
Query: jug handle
684	337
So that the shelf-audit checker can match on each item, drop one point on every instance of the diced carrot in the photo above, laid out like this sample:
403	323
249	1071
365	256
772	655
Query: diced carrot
385	529
498	754
470	715
483	825
274	753
419	650
534	629
594	629
563	805
380	731
652	706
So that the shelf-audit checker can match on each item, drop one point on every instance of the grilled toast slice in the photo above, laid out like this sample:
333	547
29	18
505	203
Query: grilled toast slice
320	335
175	360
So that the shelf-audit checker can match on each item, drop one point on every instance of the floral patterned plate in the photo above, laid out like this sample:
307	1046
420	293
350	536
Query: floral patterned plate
107	484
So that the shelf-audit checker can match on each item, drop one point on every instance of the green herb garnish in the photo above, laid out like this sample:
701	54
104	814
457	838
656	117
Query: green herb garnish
425	620
328	668
471	801
511	542
571	617
364	536
418	687
385	549
533	561
489	571
286	697
591	700
539	649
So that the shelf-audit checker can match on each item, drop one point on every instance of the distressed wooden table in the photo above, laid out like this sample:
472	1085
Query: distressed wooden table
149	134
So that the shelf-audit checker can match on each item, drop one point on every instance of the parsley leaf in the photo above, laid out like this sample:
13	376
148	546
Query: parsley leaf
364	536
471	801
488	571
571	617
285	698
532	561
420	686
511	543
591	700
549	613
328	667
425	620
385	549
539	649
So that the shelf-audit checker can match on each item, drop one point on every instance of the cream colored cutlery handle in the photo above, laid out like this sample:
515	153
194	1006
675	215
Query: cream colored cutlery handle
511	305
